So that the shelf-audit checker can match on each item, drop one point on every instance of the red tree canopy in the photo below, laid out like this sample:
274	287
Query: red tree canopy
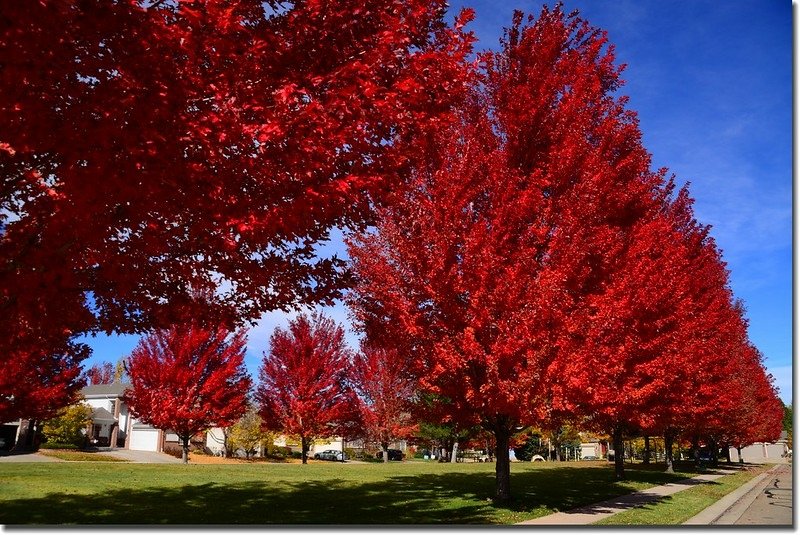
517	206
100	374
188	379
622	368
37	384
153	149
303	388
386	389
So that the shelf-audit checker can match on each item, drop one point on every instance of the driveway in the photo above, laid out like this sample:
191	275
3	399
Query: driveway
6	457
129	455
136	456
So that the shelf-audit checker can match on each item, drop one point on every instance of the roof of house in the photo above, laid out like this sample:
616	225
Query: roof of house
99	414
114	389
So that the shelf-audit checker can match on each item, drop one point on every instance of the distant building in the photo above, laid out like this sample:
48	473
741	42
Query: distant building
593	448
761	452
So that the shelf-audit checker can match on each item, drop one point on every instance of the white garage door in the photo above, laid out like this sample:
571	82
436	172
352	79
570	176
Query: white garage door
144	439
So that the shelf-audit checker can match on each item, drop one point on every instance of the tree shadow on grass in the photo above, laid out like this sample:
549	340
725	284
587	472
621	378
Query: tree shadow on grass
250	502
442	498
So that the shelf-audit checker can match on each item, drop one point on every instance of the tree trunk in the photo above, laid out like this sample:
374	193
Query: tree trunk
502	465
668	452
558	451
739	451
304	449
714	453
185	457
24	436
226	451
619	454
727	448
696	449
385	449
454	455
646	454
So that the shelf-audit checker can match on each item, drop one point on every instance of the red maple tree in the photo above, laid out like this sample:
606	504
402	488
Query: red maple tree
757	415
620	368
736	403
382	379
303	386
100	374
187	379
151	149
36	385
517	207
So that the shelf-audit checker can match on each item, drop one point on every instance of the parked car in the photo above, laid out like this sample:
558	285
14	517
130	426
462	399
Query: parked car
537	459
330	455
705	457
590	458
394	455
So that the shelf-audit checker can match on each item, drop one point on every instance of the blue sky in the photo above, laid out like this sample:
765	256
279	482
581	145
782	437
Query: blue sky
712	83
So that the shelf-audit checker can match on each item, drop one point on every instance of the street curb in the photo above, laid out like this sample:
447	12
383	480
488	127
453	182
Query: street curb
730	507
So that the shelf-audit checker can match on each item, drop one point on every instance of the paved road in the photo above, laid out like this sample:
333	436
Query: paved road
773	503
765	500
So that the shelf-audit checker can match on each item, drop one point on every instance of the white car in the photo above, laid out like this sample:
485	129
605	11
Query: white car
329	455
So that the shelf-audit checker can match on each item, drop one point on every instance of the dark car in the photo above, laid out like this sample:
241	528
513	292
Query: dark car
394	455
705	456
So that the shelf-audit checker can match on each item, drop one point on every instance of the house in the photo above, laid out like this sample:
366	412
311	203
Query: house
112	423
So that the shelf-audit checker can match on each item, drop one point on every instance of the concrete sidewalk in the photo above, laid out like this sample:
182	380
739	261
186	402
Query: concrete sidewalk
589	514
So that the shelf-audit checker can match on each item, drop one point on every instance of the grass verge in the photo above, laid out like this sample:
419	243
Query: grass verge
69	455
324	493
680	507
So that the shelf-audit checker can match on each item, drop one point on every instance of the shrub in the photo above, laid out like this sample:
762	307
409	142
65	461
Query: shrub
277	452
353	453
59	446
175	450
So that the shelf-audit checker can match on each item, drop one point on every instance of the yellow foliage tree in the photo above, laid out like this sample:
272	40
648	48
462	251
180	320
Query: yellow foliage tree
69	426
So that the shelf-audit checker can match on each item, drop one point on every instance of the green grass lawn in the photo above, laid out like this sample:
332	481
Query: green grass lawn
397	493
682	506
